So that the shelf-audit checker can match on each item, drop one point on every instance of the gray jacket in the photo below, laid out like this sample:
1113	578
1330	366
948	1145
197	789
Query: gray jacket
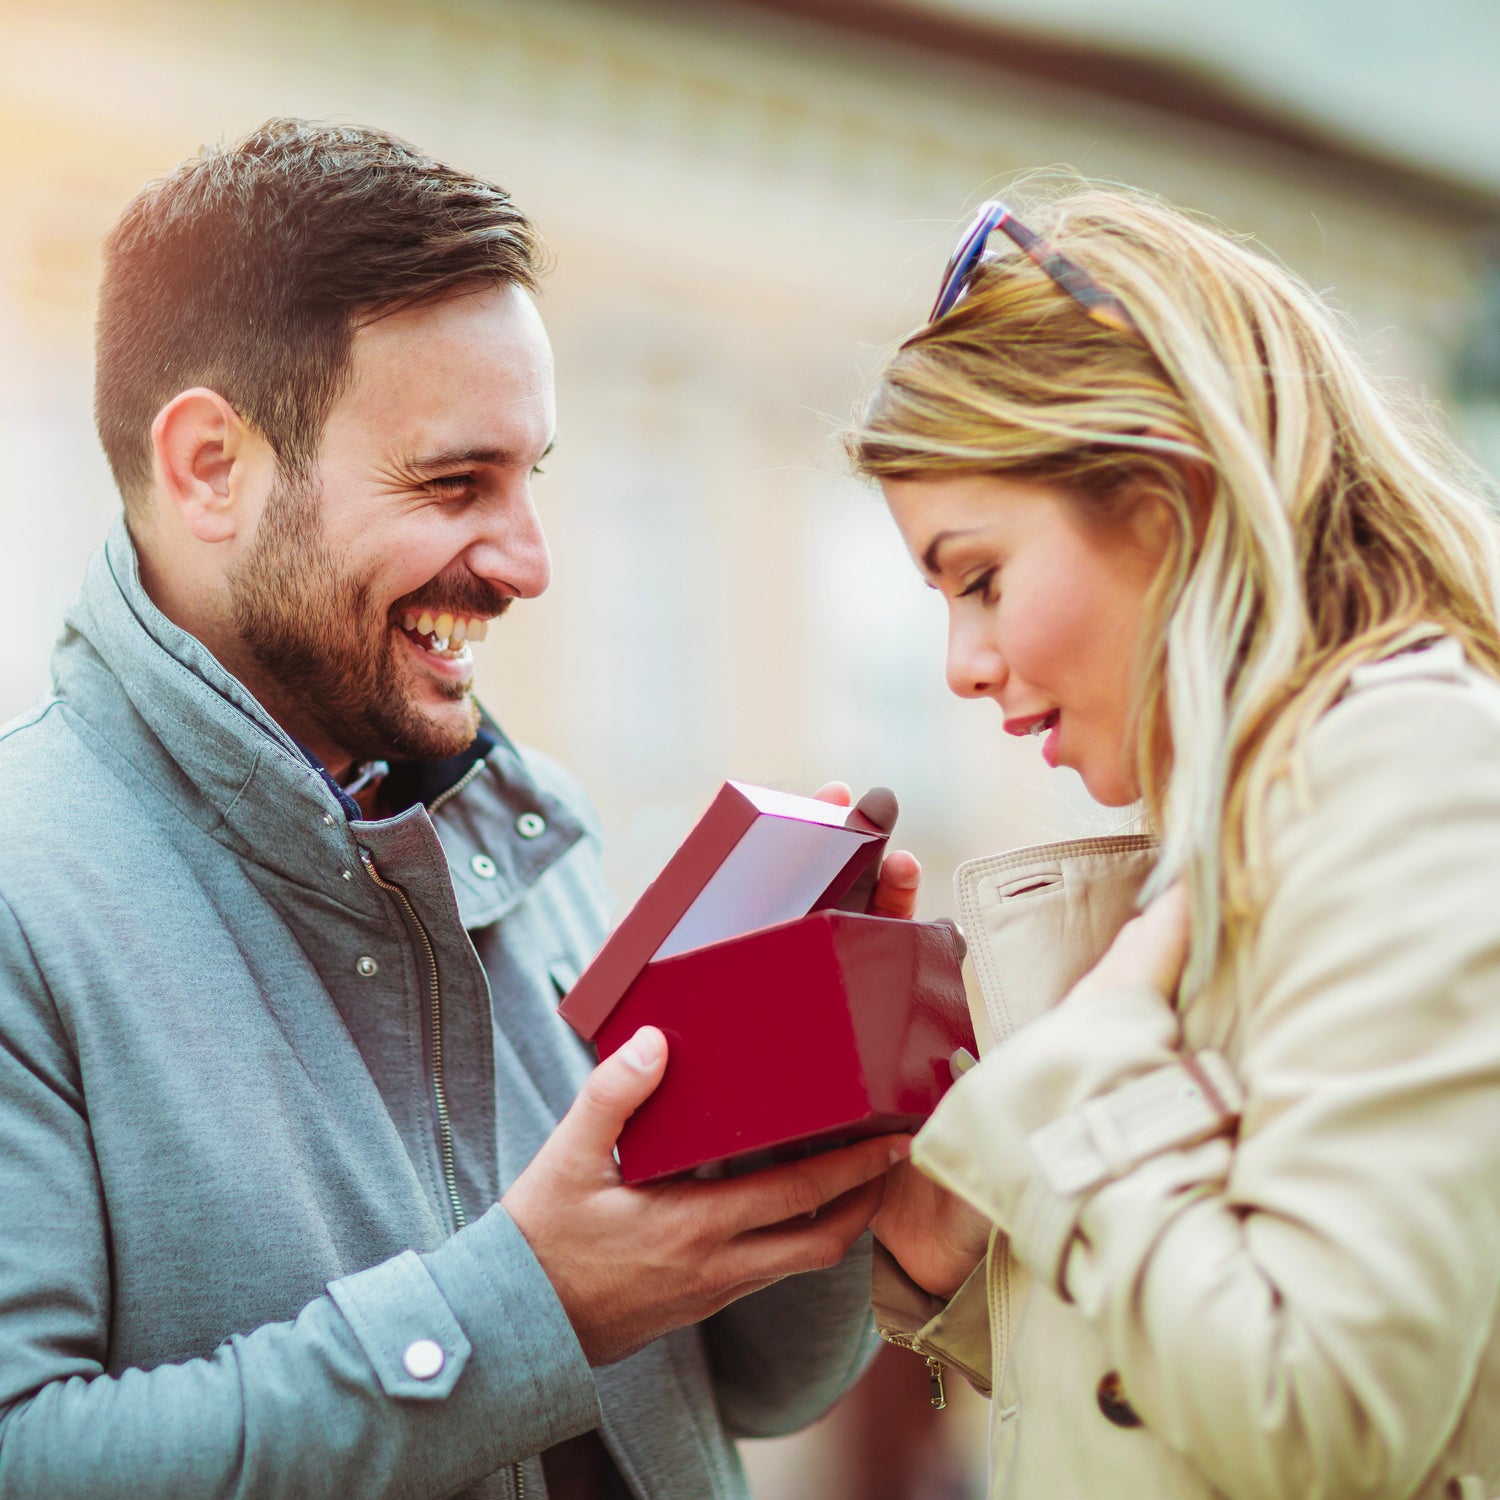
230	1020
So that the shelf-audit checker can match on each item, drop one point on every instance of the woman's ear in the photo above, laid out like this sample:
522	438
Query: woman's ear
197	440
1200	485
1153	516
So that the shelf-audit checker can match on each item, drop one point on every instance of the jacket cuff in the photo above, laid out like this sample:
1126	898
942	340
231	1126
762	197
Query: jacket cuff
1076	1099
406	1328
526	1357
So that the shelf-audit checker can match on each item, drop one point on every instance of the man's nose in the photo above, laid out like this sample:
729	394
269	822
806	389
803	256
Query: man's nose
975	668
512	553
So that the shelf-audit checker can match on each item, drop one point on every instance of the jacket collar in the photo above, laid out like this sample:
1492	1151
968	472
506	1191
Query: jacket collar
164	706
207	722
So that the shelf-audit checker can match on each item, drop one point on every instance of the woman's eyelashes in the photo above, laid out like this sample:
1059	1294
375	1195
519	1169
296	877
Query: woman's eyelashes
982	585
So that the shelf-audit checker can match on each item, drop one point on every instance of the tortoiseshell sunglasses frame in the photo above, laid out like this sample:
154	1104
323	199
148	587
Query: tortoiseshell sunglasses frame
1101	305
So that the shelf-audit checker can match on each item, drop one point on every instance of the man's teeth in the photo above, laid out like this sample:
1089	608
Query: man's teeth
1044	724
444	632
454	627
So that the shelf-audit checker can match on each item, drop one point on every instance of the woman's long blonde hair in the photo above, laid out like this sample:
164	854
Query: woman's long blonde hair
1315	522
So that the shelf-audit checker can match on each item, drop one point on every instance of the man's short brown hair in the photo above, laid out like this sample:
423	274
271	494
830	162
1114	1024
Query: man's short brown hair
248	268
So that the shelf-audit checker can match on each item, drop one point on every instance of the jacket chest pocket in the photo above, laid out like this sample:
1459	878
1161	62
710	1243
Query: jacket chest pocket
1038	919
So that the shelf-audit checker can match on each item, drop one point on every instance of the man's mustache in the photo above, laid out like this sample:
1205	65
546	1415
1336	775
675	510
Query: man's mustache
461	596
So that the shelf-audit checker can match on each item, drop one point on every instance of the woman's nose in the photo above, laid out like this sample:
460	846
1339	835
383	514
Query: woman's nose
975	668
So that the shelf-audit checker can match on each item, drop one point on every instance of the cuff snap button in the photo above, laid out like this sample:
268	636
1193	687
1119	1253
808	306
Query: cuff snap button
423	1359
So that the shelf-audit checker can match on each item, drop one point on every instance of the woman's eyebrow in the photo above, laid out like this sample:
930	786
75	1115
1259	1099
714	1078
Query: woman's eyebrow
930	557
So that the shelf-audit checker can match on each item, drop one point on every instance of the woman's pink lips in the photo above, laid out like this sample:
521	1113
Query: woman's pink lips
1049	746
1028	725
1025	726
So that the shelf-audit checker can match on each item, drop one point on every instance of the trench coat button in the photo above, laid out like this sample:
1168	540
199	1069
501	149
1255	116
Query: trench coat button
483	866
328	820
531	825
1112	1402
367	967
423	1359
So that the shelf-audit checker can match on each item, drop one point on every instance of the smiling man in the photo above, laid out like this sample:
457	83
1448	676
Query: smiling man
304	1188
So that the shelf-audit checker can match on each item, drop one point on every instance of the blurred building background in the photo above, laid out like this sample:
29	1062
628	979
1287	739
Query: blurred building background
748	202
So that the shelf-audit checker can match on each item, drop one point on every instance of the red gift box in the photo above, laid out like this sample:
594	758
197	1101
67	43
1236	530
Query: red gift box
791	1026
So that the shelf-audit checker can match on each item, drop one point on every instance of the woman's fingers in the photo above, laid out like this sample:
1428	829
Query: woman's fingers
896	893
1166	926
1149	949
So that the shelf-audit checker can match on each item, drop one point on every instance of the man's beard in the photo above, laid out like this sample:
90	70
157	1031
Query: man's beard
332	653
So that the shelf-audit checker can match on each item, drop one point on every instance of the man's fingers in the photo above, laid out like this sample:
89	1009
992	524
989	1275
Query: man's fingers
805	1244
799	1188
611	1094
900	880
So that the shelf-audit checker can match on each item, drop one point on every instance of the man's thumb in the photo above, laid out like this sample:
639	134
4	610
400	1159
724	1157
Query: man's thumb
614	1091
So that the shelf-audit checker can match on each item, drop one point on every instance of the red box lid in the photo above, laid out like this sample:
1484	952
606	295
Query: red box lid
755	858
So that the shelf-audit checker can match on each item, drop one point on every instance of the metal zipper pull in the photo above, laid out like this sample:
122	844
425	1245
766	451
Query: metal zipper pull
938	1397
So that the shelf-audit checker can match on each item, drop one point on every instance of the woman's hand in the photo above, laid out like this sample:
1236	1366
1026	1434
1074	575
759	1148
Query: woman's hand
895	894
936	1238
1148	949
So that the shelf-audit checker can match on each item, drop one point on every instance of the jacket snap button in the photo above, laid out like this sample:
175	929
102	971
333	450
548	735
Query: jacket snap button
531	825
368	967
423	1359
1112	1402
483	866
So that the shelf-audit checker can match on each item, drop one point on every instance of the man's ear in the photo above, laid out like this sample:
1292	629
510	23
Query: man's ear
200	446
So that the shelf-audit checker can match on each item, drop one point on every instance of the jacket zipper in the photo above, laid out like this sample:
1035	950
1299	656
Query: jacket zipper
439	1091
457	787
435	1011
937	1396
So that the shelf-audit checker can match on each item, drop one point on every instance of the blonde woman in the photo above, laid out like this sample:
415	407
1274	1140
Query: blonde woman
1218	1211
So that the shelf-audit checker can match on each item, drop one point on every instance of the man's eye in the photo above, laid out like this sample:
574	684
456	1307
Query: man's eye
981	585
452	484
537	469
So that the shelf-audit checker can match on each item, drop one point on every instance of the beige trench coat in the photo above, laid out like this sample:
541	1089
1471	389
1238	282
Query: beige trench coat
1251	1249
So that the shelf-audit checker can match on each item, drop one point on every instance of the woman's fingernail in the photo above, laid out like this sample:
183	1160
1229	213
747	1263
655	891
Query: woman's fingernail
901	1151
643	1049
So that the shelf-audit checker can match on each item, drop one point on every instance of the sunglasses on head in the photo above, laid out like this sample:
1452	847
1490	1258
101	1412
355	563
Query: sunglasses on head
1102	306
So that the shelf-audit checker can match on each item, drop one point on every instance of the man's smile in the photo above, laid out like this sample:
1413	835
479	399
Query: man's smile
443	634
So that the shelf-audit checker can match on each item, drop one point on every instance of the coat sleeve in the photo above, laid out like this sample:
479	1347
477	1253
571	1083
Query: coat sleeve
1301	1311
781	1357
327	1394
954	1331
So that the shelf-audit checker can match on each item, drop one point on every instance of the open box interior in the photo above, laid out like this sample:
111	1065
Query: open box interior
756	858
778	871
